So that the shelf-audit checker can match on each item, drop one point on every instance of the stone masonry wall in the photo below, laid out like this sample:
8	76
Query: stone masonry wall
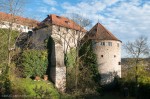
64	39
109	59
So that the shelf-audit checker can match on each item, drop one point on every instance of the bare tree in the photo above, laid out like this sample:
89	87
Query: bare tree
13	7
137	50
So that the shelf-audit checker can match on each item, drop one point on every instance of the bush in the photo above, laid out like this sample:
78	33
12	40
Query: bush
34	62
141	91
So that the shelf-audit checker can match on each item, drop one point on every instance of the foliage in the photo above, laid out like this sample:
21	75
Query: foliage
88	75
26	87
34	62
129	70
70	61
4	47
137	49
141	91
5	85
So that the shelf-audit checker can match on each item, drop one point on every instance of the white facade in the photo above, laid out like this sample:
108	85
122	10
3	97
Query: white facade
15	26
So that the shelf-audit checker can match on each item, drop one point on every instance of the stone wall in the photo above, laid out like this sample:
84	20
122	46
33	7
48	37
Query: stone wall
39	36
109	59
57	68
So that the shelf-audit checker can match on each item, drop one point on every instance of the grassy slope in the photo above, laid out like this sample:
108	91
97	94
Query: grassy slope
25	87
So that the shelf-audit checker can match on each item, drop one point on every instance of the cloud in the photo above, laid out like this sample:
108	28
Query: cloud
50	2
48	10
126	19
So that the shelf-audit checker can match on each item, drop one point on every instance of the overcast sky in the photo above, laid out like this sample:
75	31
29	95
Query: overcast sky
126	19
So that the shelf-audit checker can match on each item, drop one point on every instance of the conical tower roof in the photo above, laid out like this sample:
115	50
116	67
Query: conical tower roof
99	32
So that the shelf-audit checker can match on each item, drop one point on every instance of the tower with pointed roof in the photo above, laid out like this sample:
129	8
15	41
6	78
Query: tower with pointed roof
108	50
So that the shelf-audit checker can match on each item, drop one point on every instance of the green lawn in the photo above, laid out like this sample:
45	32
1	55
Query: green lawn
26	87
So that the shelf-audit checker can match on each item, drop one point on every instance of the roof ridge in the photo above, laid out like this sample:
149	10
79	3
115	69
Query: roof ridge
65	22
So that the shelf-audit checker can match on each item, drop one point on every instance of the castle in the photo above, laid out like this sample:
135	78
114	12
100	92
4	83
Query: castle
64	34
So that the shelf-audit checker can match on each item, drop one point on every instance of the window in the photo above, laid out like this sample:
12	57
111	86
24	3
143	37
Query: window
18	26
96	29
119	63
67	29
109	43
58	28
3	23
118	44
67	22
103	43
101	55
75	32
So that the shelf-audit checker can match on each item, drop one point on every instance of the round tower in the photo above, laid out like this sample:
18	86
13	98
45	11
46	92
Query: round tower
108	50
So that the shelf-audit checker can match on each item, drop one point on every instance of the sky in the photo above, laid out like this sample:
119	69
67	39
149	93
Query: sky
126	19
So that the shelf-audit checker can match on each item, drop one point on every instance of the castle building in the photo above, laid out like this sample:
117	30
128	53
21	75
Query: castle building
18	23
64	34
108	50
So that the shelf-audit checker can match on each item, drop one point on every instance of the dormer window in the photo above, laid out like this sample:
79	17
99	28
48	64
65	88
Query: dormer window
67	22
58	17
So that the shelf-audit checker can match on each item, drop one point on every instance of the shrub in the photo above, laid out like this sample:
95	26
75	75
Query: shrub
34	62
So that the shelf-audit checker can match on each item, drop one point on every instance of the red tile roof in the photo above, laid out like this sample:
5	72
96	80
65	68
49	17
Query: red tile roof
99	32
61	21
18	19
